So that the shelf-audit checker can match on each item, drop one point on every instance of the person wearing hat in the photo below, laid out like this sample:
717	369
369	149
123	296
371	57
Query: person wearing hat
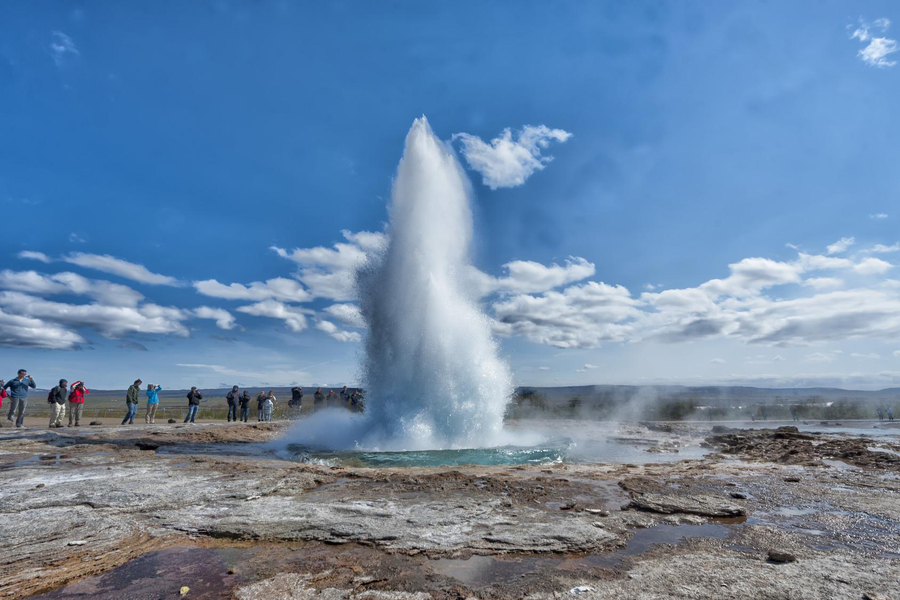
131	401
57	399
18	396
76	403
153	391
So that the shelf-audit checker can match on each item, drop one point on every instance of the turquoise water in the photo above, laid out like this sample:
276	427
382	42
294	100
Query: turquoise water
506	455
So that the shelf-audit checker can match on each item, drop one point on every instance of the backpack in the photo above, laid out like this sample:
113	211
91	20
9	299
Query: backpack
50	397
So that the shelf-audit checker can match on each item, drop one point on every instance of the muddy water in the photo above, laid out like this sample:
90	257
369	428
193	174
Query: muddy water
481	571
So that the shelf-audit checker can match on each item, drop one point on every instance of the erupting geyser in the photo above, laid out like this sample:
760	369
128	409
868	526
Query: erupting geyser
432	375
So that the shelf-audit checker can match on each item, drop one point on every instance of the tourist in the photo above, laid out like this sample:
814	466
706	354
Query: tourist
318	399
880	415
345	397
268	406
331	399
233	397
356	401
194	397
131	401
18	397
794	413
890	414
152	402
3	393
57	398
76	403
260	400
296	402
245	406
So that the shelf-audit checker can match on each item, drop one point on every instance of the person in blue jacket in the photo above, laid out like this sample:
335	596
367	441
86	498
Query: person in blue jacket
18	396
152	401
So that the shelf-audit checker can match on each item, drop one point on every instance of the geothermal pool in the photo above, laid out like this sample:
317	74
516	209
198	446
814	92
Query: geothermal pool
558	441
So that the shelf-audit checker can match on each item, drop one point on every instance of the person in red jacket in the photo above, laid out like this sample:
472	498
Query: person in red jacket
3	393
76	402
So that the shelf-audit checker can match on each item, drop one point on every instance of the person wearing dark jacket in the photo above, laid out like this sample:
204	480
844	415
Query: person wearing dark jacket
318	399
18	396
58	397
245	406
296	402
131	401
194	397
260	400
233	398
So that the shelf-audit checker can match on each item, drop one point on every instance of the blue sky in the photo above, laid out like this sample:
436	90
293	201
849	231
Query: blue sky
193	138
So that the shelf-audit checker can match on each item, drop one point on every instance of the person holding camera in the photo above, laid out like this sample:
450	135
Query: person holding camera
18	396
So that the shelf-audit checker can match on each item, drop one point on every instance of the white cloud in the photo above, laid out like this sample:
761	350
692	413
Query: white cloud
867	356
882	249
508	162
348	314
872	266
823	283
330	272
875	53
841	245
279	288
104	292
223	318
40	256
18	331
879	216
819	357
110	321
337	333
718	361
528	277
76	239
294	317
117	266
62	47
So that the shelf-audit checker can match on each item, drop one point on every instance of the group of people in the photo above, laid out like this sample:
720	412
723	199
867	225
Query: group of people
885	413
59	397
65	399
345	399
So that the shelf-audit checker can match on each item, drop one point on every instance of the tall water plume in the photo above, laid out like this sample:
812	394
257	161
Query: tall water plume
431	370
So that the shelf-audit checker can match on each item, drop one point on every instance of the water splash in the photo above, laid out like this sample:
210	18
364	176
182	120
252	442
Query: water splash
431	369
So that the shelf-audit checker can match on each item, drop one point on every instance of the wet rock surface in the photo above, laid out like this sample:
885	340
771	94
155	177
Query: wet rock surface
140	512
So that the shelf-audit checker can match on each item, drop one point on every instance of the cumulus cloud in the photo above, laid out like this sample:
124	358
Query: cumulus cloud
223	318
279	288
294	317
581	316
19	331
872	266
330	272
39	256
348	314
104	292
879	216
117	266
882	249
110	321
841	245
823	283
507	162
528	277
335	332
876	50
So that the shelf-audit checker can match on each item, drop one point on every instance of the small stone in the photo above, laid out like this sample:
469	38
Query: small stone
184	590
147	445
95	423
231	571
792	479
597	511
172	421
738	495
776	556
873	596
40	485
77	543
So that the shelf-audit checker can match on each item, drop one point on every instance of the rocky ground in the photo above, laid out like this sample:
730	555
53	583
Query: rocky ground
146	511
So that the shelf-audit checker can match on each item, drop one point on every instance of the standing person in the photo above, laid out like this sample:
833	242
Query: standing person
880	415
194	397
268	406
3	393
296	402
18	396
233	398
152	402
331	399
131	401
356	401
260	400
76	402
345	397
57	398
890	414
245	406
318	399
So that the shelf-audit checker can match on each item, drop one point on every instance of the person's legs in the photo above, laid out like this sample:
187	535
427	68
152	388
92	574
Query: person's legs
194	410
79	408
54	414
20	411
12	408
73	406
60	411
245	413
127	412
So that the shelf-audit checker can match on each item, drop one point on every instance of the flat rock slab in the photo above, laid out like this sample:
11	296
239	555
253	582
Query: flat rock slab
697	504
